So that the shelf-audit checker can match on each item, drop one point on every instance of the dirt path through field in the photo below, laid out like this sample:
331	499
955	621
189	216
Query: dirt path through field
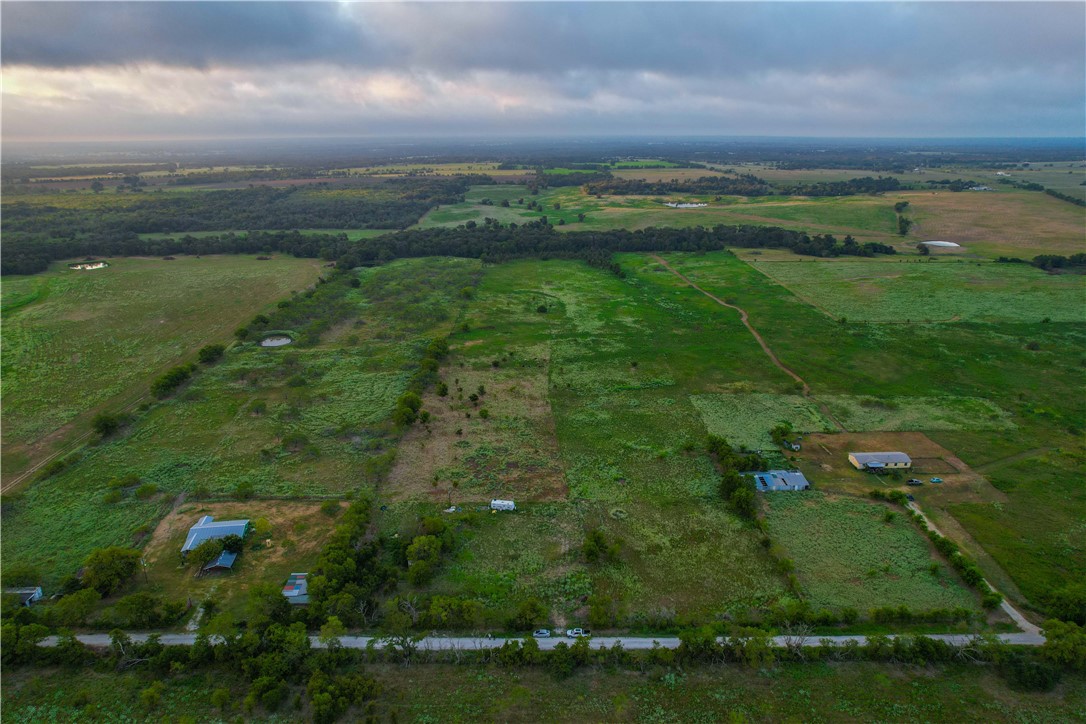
745	319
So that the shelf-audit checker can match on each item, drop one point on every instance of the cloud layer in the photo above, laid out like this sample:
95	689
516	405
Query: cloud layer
106	69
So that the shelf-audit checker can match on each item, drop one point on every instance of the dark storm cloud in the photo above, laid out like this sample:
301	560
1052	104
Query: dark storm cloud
196	34
677	38
928	68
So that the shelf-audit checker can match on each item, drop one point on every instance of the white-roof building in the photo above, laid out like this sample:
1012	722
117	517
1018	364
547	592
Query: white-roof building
880	460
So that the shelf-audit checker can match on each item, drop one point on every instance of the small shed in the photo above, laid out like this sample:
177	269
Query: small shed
502	505
877	461
27	596
775	480
222	562
296	589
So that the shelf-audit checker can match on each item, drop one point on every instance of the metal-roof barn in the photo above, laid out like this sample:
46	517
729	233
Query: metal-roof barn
208	529
773	480
879	460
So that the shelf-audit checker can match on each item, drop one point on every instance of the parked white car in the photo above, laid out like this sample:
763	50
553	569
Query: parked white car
578	633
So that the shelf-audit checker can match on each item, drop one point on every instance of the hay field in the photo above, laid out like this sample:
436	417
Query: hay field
932	291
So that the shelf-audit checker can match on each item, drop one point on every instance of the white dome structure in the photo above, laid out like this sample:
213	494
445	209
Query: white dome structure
945	244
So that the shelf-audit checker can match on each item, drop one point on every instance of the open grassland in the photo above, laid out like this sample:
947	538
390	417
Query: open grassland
978	221
287	537
745	419
847	554
288	422
943	291
1044	499
1001	223
987	361
818	692
74	340
622	430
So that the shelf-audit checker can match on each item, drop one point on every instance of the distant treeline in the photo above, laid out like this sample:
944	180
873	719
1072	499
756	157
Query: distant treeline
1064	197
852	187
490	242
493	242
742	185
1048	262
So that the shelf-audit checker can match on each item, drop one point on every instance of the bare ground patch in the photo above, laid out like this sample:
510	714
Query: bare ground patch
459	456
825	458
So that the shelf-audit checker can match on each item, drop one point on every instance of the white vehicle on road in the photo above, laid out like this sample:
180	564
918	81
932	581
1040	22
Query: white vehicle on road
578	633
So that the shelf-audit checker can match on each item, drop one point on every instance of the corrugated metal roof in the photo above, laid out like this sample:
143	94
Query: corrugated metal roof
880	457
224	560
780	480
207	529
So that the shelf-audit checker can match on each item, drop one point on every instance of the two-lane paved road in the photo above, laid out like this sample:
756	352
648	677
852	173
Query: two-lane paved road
632	643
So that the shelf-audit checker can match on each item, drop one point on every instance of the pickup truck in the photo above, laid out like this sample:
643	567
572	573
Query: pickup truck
578	633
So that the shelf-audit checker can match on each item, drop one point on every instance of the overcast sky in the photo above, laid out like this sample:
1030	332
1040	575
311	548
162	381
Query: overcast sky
115	70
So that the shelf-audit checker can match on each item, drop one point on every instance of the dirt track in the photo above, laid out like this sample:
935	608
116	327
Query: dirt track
744	318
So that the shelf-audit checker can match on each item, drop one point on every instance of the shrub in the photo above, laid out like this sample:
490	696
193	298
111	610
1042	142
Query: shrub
330	508
171	380
211	353
147	490
105	423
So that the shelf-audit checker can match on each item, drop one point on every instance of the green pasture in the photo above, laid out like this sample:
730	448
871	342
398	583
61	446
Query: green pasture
746	419
442	692
847	554
286	422
939	291
628	438
76	339
1023	387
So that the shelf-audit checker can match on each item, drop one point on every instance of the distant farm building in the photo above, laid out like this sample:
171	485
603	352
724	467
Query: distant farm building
876	461
774	480
502	505
296	589
208	529
27	596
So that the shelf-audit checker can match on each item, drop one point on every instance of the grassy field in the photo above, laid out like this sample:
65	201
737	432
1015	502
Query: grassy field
848	555
988	361
937	291
289	422
793	692
616	424
75	340
975	220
